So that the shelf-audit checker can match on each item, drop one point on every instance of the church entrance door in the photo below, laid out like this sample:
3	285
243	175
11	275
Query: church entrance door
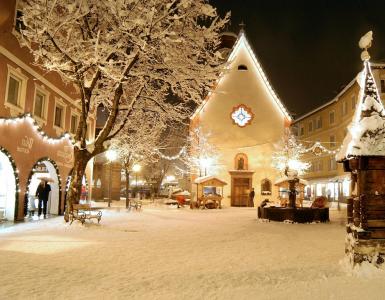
241	192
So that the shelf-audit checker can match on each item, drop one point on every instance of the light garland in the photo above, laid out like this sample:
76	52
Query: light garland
317	148
181	152
16	176
27	117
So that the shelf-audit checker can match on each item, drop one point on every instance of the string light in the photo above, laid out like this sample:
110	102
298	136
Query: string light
181	152
27	117
318	145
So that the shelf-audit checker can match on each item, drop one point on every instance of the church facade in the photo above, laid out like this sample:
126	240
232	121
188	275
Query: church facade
244	120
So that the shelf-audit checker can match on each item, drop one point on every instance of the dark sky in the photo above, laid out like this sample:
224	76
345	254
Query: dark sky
309	49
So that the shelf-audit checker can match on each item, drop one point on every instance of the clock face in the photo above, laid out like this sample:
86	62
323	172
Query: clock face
242	115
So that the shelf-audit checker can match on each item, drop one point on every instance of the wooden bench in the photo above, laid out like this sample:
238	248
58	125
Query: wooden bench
82	212
135	204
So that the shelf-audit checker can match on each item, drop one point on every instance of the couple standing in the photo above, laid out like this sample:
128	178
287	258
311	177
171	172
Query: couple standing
42	193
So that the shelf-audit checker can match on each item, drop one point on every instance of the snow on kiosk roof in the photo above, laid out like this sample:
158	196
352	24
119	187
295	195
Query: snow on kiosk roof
242	42
366	134
209	181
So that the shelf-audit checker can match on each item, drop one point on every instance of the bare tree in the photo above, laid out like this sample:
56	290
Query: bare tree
124	54
201	156
136	144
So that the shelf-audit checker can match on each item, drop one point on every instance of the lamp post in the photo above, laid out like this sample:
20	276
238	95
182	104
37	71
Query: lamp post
111	156
136	168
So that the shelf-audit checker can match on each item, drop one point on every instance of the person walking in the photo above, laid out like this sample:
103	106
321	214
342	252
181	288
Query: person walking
42	194
251	197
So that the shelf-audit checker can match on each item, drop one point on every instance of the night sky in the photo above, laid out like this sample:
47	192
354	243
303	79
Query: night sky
308	49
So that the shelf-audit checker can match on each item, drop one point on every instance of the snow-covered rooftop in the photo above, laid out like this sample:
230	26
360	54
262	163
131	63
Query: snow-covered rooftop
366	134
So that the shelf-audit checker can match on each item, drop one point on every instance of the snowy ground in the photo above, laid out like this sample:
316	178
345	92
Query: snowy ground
169	253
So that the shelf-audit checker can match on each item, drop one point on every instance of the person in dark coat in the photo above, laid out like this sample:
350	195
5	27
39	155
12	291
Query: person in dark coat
251	197
42	194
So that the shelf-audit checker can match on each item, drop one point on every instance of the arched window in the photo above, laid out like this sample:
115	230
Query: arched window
266	187
241	161
242	68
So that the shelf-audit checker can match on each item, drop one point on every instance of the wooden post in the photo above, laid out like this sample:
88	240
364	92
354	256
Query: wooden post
292	192
350	210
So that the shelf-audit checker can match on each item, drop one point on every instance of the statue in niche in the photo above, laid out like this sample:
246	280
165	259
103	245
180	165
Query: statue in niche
241	163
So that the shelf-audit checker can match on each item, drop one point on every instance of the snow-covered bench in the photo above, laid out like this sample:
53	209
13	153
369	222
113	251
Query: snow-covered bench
136	204
82	212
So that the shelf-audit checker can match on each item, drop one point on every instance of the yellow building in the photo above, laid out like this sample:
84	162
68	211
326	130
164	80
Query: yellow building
322	132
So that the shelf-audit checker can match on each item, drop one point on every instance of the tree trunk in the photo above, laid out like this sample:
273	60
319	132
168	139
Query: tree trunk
127	186
81	158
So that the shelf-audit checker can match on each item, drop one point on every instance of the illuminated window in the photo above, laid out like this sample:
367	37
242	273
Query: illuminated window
242	115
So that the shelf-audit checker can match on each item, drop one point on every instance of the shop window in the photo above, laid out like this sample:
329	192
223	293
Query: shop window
266	187
242	68
40	105
59	112
13	91
332	117
16	90
59	116
241	162
74	123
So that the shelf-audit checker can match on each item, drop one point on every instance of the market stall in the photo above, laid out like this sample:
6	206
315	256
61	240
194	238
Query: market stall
209	191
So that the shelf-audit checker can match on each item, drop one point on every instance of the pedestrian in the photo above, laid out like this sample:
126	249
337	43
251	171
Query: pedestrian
42	193
251	197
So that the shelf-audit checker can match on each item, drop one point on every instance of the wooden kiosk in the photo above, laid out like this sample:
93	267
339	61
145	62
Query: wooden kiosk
363	155
283	184
209	192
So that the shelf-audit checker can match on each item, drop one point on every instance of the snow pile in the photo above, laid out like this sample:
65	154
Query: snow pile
163	253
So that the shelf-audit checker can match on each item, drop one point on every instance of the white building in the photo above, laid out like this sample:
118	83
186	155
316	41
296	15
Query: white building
245	119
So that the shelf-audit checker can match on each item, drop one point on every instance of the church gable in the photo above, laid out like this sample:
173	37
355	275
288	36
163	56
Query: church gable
244	83
243	108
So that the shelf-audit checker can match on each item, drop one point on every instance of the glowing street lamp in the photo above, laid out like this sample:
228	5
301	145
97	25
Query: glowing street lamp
136	168
111	156
205	163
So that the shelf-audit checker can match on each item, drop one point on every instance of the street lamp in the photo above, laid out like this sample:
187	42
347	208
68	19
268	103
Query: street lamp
136	168
111	155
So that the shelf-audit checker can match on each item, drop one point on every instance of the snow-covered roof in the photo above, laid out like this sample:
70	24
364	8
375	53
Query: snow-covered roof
207	178
366	134
285	178
243	42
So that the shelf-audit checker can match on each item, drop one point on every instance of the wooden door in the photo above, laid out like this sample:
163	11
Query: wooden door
240	193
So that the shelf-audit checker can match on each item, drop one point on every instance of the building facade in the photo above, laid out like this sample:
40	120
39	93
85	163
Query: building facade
322	131
243	119
38	114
